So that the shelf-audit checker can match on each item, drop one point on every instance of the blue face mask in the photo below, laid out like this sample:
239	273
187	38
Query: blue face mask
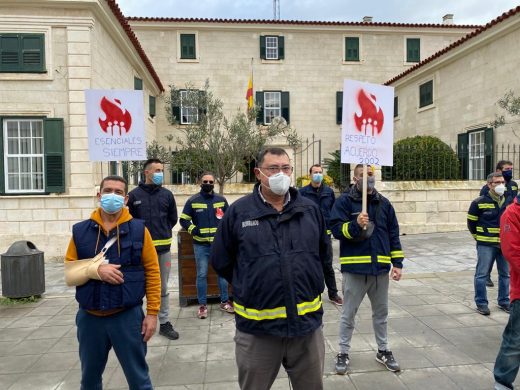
508	175
317	177
158	178
112	203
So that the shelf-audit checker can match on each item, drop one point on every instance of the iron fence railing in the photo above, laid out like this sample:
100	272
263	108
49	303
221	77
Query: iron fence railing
468	162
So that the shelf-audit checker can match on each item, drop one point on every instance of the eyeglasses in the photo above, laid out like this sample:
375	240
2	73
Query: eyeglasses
207	182
275	169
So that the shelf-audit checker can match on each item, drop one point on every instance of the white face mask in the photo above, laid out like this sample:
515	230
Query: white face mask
500	189
278	183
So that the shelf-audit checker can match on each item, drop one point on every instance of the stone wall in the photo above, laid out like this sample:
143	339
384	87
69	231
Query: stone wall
421	207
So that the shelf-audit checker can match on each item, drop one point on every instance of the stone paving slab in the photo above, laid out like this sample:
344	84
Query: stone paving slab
434	331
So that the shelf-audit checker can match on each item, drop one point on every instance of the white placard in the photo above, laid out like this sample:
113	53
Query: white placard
367	133
115	121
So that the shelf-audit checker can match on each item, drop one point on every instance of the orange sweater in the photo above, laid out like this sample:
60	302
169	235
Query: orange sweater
148	257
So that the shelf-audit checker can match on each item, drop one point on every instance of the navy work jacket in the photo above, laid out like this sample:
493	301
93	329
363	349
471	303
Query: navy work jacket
156	206
374	255
323	196
274	260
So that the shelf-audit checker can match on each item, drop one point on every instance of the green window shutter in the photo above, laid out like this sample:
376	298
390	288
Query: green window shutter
463	153
2	176
112	168
281	48
396	106
33	52
10	56
176	107
285	106
413	50
426	94
188	47
351	49
259	101
488	151
339	107
262	47
138	84
54	154
151	106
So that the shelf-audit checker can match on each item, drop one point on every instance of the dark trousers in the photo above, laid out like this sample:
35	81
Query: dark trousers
330	276
259	358
508	359
122	331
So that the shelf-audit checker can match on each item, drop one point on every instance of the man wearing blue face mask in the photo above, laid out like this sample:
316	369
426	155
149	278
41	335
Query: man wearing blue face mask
110	301
156	205
506	168
324	197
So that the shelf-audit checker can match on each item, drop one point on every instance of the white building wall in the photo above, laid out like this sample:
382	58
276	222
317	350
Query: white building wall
312	71
466	89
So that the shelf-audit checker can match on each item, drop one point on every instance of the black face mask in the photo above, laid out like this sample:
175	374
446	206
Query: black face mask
207	187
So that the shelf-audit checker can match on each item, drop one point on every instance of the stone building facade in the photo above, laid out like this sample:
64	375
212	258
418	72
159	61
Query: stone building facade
298	70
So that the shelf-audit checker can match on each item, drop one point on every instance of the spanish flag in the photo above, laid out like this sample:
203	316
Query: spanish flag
249	94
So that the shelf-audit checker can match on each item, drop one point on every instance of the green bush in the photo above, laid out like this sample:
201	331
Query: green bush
338	172
423	158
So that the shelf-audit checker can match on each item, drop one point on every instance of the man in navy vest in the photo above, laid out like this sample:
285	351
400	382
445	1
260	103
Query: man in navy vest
110	302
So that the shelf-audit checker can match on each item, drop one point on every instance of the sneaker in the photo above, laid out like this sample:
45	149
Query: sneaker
167	331
342	362
489	283
483	309
203	312
336	300
227	307
505	307
386	358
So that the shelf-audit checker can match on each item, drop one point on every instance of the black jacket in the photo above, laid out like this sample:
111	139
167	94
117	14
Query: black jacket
323	196
201	216
509	194
374	255
484	219
274	260
156	205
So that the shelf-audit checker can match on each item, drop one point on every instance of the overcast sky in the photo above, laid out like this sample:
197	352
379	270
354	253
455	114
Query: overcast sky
407	11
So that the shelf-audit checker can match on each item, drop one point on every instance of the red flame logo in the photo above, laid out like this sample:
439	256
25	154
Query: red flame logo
219	213
371	120
117	118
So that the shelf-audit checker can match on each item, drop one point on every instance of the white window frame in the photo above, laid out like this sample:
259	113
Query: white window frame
274	109
31	172
476	155
191	113
271	47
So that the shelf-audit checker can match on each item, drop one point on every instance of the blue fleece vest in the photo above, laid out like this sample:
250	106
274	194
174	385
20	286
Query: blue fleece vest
98	295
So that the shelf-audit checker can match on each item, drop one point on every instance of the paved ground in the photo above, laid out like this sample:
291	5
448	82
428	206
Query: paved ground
436	335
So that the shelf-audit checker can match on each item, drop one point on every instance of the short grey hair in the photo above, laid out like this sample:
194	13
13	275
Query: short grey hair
492	175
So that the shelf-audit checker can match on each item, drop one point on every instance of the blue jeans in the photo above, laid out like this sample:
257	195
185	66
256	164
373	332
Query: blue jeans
202	260
486	255
508	359
122	331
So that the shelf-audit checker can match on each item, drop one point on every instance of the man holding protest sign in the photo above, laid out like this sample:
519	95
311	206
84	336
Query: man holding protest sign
363	220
